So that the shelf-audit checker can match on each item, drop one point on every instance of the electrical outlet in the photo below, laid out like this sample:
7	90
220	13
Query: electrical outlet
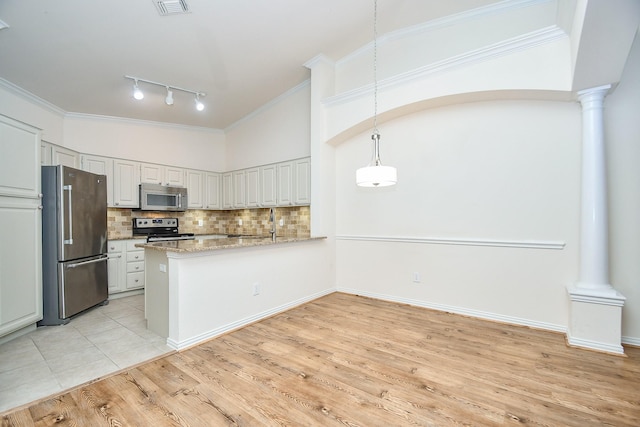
200	222
163	268
256	289
416	277
281	222
239	222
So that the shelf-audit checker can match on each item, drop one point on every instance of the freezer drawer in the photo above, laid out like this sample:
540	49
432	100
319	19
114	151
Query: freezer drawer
82	284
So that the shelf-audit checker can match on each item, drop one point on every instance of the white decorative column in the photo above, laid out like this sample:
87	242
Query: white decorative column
596	307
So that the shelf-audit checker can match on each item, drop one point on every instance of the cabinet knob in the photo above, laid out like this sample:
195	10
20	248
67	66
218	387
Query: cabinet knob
137	268
136	257
117	203
136	280
40	196
40	207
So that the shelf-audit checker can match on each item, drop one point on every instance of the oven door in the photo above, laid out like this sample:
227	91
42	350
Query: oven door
155	197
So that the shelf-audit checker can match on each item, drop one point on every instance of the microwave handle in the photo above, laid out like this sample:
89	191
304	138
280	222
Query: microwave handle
179	200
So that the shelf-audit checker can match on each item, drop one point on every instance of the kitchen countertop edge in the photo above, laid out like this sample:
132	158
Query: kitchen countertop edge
206	245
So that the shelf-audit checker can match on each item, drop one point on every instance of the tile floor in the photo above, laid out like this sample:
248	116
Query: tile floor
54	358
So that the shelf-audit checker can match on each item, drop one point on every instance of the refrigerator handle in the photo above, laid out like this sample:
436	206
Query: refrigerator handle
70	240
78	264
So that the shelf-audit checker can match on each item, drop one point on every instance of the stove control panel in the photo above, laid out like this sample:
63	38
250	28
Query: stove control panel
154	222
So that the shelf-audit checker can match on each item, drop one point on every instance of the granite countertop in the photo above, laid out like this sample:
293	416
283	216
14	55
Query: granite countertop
144	237
203	245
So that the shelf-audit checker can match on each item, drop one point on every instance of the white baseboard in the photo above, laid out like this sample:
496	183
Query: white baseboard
460	310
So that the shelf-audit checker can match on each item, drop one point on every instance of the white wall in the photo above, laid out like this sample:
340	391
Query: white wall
622	137
492	179
189	147
276	132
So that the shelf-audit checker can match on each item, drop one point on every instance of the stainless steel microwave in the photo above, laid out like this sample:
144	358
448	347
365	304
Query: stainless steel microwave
156	197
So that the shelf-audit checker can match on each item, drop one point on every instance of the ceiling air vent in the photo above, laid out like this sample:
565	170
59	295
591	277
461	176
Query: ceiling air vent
171	7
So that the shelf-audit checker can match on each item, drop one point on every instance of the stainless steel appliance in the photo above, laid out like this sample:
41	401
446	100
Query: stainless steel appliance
74	242
156	197
159	229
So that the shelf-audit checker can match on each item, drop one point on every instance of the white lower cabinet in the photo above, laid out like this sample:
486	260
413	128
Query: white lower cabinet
126	266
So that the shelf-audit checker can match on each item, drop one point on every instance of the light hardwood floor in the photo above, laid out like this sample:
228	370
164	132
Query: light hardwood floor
354	361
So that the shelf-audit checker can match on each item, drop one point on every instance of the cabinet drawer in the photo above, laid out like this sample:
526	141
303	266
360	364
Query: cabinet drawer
133	267
114	246
135	280
131	245
135	256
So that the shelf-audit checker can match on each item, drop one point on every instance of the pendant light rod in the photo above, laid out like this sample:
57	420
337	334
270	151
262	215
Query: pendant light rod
138	79
375	174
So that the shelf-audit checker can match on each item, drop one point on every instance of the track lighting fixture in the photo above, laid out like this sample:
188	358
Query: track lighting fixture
169	99
199	105
137	93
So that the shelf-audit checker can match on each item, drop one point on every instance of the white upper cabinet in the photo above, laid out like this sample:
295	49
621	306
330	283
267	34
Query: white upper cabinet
20	160
285	181
101	166
64	156
239	189
268	185
252	178
163	175
213	187
302	182
126	181
227	190
195	188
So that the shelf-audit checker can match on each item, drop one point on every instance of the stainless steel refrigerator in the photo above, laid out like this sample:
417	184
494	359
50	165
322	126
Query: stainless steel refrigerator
74	242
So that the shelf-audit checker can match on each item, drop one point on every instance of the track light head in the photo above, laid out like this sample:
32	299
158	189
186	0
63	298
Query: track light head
199	105
137	93
169	99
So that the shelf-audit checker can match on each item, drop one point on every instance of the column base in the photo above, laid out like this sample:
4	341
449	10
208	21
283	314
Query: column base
595	319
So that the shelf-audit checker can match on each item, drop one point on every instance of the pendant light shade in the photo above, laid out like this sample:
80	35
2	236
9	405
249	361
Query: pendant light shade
375	174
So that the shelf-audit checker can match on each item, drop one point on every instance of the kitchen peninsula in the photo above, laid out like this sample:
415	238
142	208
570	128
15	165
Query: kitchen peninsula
198	289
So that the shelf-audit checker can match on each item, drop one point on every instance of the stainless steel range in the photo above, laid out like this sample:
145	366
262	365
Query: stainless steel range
159	229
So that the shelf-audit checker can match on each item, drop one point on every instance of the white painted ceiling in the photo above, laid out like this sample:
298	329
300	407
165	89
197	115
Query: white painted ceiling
241	53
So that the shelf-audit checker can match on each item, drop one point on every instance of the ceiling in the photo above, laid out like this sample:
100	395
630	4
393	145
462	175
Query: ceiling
74	54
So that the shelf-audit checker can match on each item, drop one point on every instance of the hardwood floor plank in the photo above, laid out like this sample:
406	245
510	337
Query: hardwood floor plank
355	361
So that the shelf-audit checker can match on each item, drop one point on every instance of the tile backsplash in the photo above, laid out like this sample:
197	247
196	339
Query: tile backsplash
254	221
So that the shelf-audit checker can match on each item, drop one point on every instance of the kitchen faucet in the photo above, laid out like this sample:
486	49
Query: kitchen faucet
272	220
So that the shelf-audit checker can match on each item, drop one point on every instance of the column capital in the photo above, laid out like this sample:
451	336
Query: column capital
594	93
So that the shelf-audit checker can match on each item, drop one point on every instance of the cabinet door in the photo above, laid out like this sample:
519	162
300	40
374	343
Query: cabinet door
227	191
239	193
285	177
151	173
212	191
302	182
195	190
116	267
20	263
101	166
174	176
20	160
268	185
252	196
64	156
126	179
45	154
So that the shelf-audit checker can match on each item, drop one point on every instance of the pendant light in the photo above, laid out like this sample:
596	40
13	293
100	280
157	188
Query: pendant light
375	174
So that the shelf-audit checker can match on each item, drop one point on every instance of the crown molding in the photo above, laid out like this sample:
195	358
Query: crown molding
456	19
17	90
496	50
